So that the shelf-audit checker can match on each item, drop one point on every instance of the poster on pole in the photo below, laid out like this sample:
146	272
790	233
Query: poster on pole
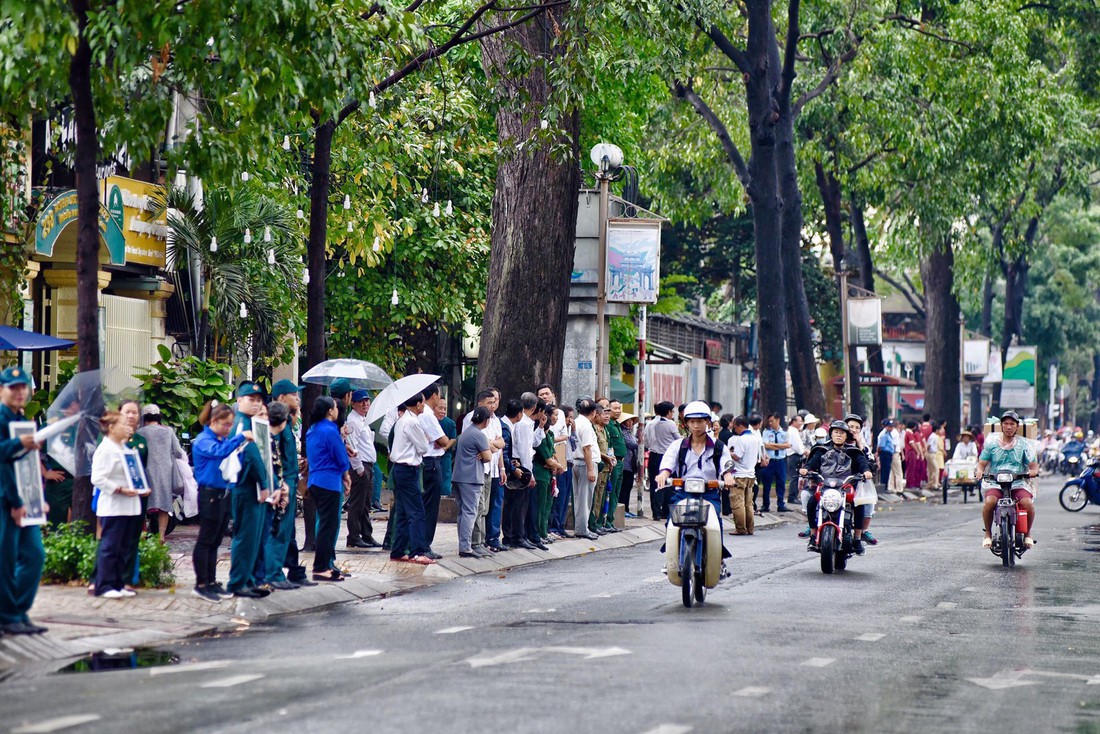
976	357
1019	378
633	260
864	321
28	477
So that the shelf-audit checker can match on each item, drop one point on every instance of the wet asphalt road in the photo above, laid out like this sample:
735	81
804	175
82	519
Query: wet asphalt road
926	633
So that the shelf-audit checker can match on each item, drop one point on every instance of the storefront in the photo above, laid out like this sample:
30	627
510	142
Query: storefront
132	290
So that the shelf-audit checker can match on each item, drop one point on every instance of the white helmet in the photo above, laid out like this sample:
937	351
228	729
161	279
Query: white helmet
697	409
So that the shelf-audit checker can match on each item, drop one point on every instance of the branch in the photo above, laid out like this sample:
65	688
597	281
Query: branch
826	81
917	302
786	79
688	93
739	58
915	25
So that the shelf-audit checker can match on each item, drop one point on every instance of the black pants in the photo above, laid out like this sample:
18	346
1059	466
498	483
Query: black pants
328	527
213	522
359	525
658	498
627	489
309	513
432	482
137	526
792	476
113	557
514	525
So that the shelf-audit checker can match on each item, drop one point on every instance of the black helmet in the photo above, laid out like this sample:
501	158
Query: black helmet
840	426
1010	415
854	417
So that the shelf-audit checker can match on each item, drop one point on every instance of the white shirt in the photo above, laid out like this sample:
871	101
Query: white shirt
387	425
965	451
361	438
935	444
109	476
586	436
745	450
523	441
560	429
797	447
409	442
433	431
696	466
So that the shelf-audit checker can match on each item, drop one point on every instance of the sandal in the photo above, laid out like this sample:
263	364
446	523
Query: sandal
400	559
1029	542
987	542
327	577
422	561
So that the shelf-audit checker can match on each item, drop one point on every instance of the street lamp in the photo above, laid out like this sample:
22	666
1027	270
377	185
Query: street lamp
849	384
609	160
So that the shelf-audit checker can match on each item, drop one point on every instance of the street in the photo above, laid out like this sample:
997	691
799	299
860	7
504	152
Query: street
925	633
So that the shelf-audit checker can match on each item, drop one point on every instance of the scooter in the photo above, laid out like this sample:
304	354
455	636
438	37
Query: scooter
1079	491
1069	464
693	542
1009	521
835	513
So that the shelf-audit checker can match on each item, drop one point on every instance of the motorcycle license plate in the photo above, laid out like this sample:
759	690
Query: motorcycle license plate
1005	502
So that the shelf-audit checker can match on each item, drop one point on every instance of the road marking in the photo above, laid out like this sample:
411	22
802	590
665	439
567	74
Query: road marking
971	589
870	637
654	579
188	667
752	692
911	618
540	611
233	680
947	605
61	722
1002	680
605	595
529	653
359	654
818	662
452	630
670	729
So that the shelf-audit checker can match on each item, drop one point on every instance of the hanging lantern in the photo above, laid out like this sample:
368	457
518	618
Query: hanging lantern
351	227
377	244
305	277
286	142
371	100
244	311
244	175
424	196
247	236
300	214
450	209
394	299
213	244
271	257
347	201
267	234
435	210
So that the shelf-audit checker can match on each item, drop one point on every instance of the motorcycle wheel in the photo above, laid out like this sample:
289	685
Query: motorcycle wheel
828	548
945	483
700	587
1073	497
840	560
1008	556
687	573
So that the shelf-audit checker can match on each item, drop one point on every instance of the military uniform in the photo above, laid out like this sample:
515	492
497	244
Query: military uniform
617	444
281	547
248	519
21	553
601	479
543	453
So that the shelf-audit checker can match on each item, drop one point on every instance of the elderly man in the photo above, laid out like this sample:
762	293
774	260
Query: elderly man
488	399
617	446
432	468
795	454
361	440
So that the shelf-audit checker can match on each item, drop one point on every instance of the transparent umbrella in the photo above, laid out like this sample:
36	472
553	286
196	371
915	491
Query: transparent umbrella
359	373
72	446
397	393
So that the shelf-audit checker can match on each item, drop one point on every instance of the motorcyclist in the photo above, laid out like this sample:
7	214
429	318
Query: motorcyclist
1007	451
855	426
1076	445
698	457
837	460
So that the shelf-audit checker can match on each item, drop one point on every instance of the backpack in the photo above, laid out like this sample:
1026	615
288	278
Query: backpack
716	457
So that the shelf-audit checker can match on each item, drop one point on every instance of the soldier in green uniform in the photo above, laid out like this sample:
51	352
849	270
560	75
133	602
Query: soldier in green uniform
599	422
617	444
249	507
543	467
21	554
281	547
250	399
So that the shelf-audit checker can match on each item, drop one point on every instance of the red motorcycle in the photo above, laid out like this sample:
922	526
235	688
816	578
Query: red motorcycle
835	514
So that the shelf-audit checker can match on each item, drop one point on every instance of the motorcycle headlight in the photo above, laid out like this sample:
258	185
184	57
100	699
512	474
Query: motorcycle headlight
695	486
832	500
1004	477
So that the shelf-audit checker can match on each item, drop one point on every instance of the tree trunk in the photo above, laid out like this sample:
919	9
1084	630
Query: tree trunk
87	244
805	379
534	224
763	192
317	258
985	328
942	395
867	282
1015	273
1094	419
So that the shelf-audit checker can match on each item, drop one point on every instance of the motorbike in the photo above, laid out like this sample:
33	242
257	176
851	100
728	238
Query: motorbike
835	512
1048	459
1078	492
693	542
1009	521
1069	465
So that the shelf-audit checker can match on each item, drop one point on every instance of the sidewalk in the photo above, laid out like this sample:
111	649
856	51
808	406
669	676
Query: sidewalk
80	624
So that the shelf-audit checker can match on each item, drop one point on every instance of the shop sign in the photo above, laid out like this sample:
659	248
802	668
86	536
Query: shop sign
61	212
131	203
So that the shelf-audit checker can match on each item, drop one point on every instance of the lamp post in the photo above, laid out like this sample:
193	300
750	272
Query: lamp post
842	273
609	160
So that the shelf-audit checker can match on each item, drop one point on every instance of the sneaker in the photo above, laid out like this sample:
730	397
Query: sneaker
857	546
219	590
724	573
112	594
204	592
127	593
869	539
806	533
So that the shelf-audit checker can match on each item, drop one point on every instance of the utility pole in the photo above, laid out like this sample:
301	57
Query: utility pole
609	160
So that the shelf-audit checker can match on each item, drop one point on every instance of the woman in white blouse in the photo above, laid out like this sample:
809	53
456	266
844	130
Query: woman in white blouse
118	507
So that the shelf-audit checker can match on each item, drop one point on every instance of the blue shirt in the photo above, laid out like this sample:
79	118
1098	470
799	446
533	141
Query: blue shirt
886	441
328	459
208	451
776	435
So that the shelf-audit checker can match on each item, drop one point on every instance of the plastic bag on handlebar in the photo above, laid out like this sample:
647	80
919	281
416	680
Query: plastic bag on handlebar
866	494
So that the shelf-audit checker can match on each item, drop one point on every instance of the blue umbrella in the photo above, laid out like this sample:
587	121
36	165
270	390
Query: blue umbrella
19	340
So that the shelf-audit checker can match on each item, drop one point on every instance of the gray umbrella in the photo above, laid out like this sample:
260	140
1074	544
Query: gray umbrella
361	374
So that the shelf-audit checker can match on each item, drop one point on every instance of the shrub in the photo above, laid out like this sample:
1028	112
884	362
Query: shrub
182	386
156	562
71	551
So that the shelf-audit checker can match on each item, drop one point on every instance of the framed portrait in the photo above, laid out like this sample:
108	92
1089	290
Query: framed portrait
135	472
261	432
28	477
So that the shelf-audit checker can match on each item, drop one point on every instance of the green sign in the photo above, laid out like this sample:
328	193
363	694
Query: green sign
62	211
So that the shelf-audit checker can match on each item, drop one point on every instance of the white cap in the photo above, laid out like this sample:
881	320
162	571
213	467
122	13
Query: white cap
697	409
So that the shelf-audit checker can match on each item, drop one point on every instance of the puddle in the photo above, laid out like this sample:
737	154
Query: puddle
121	660
1091	538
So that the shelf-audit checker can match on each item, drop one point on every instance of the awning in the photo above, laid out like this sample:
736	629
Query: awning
18	340
621	391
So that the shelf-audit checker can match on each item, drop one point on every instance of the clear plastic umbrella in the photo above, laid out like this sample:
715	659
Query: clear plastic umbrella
356	371
73	446
397	393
